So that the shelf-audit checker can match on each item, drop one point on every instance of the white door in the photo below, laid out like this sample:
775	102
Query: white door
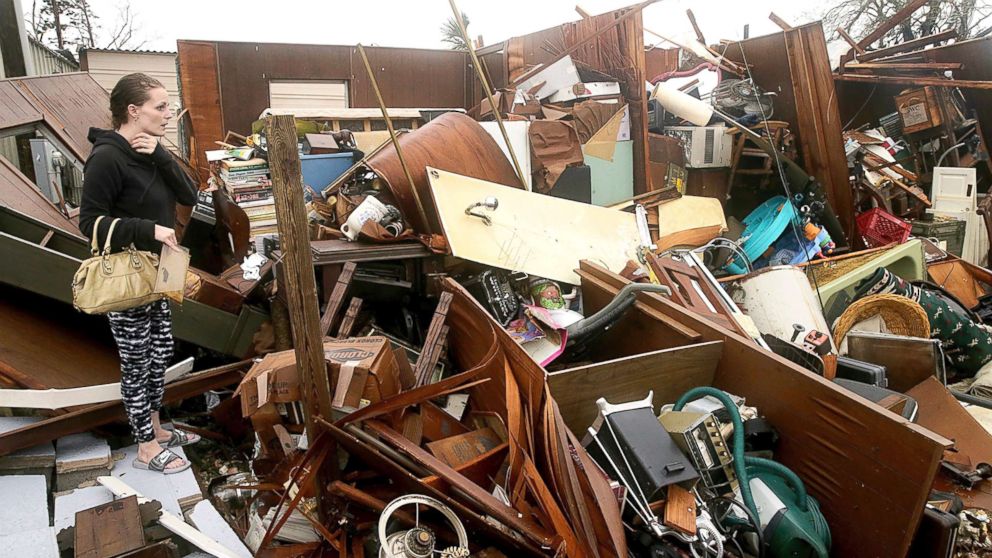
954	189
286	94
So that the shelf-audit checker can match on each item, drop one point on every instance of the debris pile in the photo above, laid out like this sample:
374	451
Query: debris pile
623	302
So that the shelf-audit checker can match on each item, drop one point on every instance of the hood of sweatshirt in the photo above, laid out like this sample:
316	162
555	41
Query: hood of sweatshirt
99	136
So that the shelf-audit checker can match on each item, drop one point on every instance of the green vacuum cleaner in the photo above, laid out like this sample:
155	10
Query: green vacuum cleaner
790	522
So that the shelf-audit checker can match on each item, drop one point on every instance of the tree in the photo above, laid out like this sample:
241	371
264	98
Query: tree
858	17
72	24
452	34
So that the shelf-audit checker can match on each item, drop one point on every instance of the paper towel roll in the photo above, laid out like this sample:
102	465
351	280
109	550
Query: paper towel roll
682	105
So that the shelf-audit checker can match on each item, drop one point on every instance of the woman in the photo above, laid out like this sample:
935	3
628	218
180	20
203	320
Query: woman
130	176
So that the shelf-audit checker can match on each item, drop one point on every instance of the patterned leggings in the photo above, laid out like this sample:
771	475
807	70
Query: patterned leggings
144	340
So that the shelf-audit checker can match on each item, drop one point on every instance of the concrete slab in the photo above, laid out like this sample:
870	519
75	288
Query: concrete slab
42	455
66	505
167	489
36	543
208	520
25	504
81	451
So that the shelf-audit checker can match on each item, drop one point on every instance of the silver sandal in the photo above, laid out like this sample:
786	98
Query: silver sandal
160	463
181	438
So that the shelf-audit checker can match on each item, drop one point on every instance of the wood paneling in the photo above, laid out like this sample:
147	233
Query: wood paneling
794	64
870	469
199	88
668	373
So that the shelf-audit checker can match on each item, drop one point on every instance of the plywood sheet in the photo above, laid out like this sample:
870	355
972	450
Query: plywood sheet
668	373
533	233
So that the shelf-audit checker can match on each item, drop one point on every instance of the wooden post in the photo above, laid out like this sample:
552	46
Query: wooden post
301	286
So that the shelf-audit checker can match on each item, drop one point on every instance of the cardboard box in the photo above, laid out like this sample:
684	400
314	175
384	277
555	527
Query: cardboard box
275	379
919	109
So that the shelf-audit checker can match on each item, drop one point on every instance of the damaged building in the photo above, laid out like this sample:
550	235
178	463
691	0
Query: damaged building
567	294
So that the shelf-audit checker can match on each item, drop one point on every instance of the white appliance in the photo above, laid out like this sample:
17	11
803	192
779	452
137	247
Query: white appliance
705	146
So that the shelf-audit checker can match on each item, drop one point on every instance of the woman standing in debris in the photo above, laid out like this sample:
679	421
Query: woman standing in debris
130	176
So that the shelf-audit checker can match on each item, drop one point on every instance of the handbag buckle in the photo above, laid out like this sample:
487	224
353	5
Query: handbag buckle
135	260
108	267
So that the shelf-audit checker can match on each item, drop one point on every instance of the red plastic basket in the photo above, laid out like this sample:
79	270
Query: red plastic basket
879	228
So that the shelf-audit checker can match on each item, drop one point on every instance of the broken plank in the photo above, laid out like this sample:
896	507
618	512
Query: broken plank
171	521
916	80
854	44
431	352
779	21
72	397
908	45
108	529
680	510
350	316
92	416
336	299
889	24
937	66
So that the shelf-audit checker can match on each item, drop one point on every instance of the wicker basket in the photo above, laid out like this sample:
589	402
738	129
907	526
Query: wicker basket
901	315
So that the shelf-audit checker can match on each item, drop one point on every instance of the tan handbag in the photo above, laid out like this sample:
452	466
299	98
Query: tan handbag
114	282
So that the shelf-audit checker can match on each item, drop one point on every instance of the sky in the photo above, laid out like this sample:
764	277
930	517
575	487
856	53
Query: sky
416	23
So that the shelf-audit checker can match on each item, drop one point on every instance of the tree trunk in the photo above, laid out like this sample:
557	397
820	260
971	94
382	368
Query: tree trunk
58	24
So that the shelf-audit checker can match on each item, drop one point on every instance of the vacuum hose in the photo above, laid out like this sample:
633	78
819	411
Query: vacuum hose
601	321
738	444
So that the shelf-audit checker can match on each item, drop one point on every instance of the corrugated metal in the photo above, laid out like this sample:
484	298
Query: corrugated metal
308	94
8	150
109	66
47	62
68	104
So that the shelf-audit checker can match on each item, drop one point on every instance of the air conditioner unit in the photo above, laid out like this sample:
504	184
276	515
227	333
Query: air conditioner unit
705	146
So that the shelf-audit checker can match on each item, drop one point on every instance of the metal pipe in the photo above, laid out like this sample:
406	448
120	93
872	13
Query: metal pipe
392	137
489	94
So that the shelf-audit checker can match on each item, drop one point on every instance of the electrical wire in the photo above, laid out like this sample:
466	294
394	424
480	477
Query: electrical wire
856	114
785	183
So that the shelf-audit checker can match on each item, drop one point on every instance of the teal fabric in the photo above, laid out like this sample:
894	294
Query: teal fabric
968	343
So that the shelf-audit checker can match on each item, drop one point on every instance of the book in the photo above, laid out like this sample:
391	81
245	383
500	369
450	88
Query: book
250	196
249	164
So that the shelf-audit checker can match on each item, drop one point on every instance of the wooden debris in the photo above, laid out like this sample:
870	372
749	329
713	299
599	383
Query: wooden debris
336	299
350	315
436	333
109	529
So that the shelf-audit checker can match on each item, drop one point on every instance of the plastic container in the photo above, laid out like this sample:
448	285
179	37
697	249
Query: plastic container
949	230
319	171
878	228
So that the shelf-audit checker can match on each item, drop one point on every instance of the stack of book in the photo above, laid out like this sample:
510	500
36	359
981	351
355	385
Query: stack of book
250	187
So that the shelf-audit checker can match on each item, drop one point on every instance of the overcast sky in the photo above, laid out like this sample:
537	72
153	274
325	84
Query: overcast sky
416	23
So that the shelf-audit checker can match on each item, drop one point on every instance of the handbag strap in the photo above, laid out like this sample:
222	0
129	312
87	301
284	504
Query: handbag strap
96	232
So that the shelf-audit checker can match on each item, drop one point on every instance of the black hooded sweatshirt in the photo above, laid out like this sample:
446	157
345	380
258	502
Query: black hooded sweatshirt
141	189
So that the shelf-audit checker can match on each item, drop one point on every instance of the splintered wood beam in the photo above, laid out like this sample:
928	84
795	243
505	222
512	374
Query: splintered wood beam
779	21
301	285
430	354
887	26
908	46
854	44
350	316
336	300
916	80
695	27
928	66
632	11
91	416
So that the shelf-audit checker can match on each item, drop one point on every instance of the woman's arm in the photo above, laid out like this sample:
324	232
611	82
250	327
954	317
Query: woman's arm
174	176
102	183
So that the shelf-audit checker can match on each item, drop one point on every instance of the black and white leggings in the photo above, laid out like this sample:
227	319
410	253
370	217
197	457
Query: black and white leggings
144	340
